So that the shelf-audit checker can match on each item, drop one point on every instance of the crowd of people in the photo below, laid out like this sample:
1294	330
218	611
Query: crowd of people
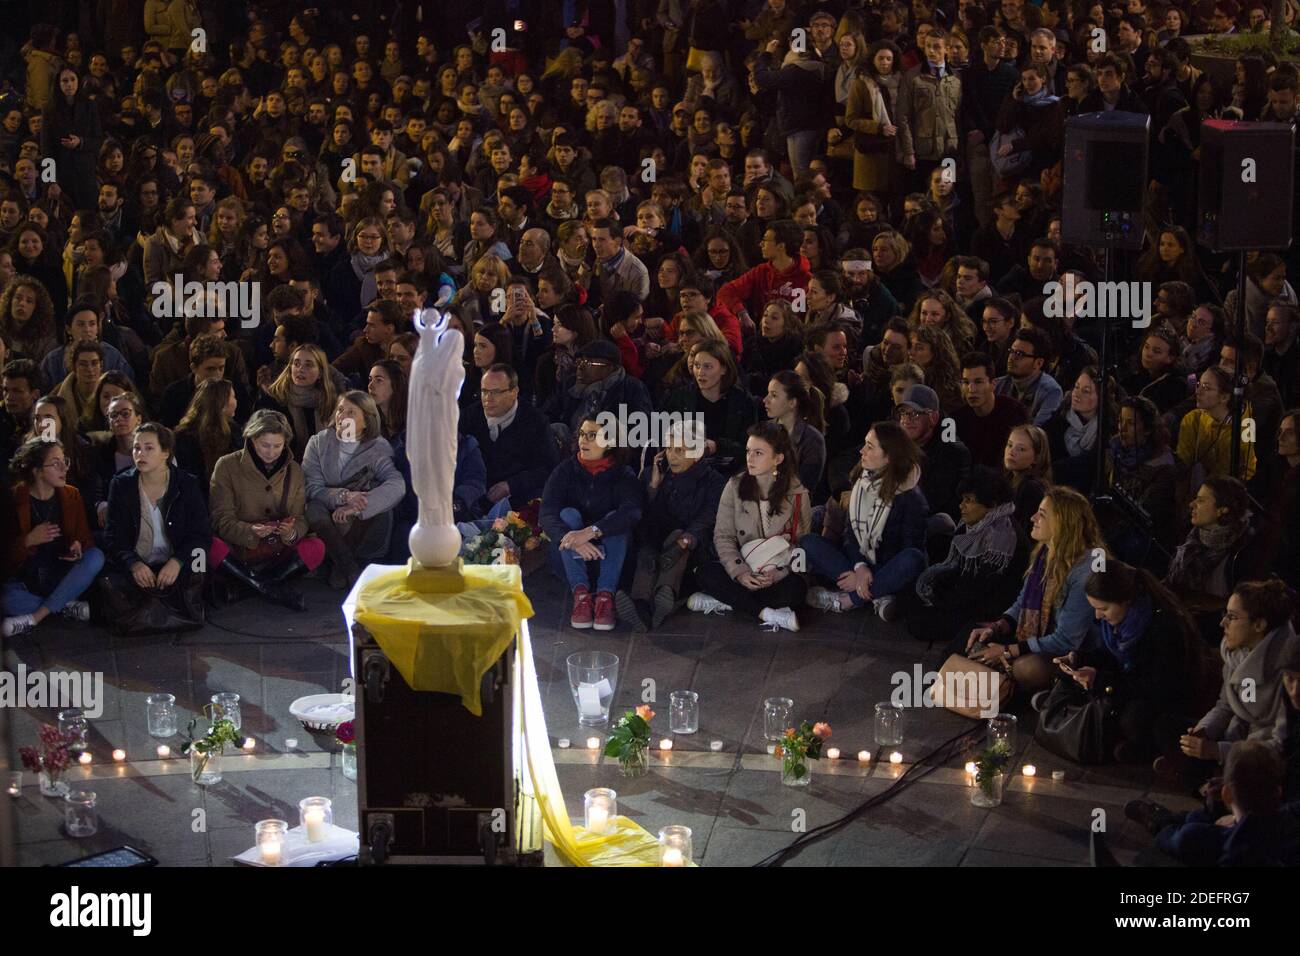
816	239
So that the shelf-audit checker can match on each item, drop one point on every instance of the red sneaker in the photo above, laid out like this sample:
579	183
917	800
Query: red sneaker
581	607
604	611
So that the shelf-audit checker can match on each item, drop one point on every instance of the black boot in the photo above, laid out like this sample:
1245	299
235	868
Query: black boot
285	572
276	595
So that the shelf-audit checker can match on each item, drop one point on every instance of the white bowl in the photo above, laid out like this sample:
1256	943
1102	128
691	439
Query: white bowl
321	712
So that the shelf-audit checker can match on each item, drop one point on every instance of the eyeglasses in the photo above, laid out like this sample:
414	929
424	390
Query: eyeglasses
589	435
121	413
907	415
593	363
58	465
492	392
1021	353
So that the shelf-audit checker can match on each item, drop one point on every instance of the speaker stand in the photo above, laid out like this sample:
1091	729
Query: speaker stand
1239	380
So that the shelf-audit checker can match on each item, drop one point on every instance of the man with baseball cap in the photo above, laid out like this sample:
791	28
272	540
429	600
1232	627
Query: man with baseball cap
947	463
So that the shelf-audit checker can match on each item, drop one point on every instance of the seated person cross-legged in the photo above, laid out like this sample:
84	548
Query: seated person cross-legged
260	537
682	492
51	560
1051	616
1207	565
762	507
353	487
590	505
880	550
157	537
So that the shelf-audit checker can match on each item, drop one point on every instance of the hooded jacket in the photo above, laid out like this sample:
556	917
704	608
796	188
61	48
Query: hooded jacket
753	290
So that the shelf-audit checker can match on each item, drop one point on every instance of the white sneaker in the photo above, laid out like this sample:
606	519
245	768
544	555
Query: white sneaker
887	608
14	626
77	610
779	618
824	599
706	604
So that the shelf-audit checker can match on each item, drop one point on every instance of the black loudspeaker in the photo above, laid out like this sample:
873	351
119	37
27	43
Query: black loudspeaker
1246	185
1105	179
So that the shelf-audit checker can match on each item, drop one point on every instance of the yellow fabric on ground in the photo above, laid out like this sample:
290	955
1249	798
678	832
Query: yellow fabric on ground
625	844
446	642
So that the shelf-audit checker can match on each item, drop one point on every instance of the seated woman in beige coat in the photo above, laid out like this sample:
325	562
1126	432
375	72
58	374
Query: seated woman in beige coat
764	502
258	499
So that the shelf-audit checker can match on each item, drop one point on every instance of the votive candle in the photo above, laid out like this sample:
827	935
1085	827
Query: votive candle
164	751
593	743
895	757
666	744
85	758
864	756
832	753
119	755
1029	770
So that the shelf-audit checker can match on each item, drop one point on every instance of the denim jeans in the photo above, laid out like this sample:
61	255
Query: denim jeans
81	574
801	147
899	573
577	571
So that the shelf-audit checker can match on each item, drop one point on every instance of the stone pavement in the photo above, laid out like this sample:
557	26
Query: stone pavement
836	669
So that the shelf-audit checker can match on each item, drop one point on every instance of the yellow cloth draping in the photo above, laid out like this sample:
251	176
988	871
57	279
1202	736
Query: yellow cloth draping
446	641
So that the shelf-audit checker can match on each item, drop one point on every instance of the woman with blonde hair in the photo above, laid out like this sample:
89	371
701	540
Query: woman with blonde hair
475	297
259	535
1027	463
891	258
1052	616
304	393
223	234
205	432
937	308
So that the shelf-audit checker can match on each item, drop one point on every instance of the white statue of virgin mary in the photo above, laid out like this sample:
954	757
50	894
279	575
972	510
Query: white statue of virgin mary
432	419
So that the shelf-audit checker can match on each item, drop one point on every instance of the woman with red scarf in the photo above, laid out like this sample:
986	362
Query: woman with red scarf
591	504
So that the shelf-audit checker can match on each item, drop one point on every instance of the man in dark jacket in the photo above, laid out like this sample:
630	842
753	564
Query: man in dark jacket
601	386
801	105
1112	92
513	437
947	463
985	84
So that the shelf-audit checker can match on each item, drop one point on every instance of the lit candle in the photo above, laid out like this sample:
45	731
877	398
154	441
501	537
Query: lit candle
85	758
119	755
597	819
895	757
593	743
291	743
314	820
1058	775
971	768
249	743
164	751
564	743
771	748
715	745
673	857
1029	770
832	753
864	756
665	744
272	851
14	790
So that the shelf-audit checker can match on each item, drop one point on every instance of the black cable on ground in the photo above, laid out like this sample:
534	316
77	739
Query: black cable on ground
918	771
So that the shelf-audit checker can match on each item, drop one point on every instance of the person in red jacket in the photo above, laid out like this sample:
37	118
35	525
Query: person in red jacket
784	275
693	294
52	560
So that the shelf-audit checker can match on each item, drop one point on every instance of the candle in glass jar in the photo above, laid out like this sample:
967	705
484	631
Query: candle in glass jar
250	743
971	768
665	744
597	819
85	758
593	743
272	851
895	757
833	753
119	755
864	756
563	743
314	820
164	751
673	857
14	790
715	745
1029	770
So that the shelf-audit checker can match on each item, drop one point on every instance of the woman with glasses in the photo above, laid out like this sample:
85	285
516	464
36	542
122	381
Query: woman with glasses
157	538
354	277
125	413
52	560
53	419
590	505
1205	433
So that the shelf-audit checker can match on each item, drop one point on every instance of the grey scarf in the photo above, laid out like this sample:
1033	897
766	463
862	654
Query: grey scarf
987	546
1080	436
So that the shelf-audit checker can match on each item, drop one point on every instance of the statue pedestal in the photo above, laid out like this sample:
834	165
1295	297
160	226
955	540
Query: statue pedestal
449	579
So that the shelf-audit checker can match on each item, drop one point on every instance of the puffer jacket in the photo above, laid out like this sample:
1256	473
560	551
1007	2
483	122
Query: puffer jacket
739	523
926	114
686	502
